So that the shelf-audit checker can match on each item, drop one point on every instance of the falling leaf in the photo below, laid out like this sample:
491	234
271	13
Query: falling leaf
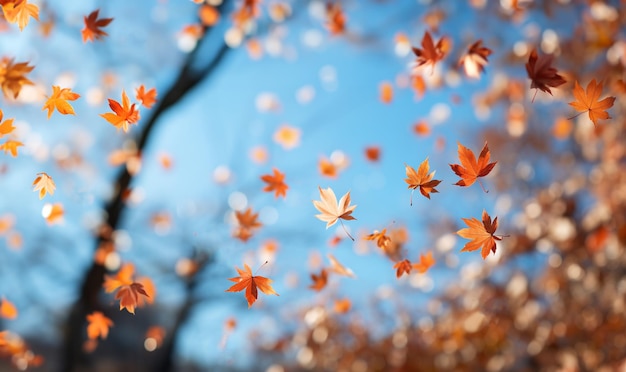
587	101
53	213
13	76
386	92
7	309
470	169
124	114
541	73
327	168
421	128
147	98
419	86
475	60
372	153
319	280
44	184
342	306
6	127
331	211
93	26
276	183
250	283
11	146
209	16
129	296
403	267
338	268
430	53
246	224
426	262
19	11
335	19
562	128
381	238
59	99
98	325
248	11
128	290
421	179
481	234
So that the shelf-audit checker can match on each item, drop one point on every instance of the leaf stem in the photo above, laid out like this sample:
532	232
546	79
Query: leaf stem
345	230
483	187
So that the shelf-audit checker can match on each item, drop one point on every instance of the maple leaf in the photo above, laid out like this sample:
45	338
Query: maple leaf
276	183
20	11
338	268
247	223
475	60
335	19
98	325
147	98
481	234
13	76
251	284
587	101
59	99
381	238
403	267
124	114
541	73
93	25
44	184
128	290
421	179
11	146
426	261
430	53
6	127
319	281
331	211
470	169
7	309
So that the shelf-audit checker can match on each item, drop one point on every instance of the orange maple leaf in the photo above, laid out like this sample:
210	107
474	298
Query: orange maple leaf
403	267
541	73
128	290
251	284
421	179
426	261
246	224
59	99
7	309
20	11
430	53
44	184
13	76
381	238
98	325
147	98
6	127
475	60
481	234
335	19
93	25
588	101
342	306
331	211
124	114
470	169
11	146
319	281
276	183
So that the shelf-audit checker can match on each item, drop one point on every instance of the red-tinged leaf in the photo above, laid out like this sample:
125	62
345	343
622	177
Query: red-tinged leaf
7	309
6	127
319	281
11	146
541	73
386	92
247	224
13	77
471	169
59	99
431	53
372	153
402	267
123	114
588	101
147	98
20	12
98	325
129	296
426	261
252	284
381	238
475	60
335	19
481	234
276	183
93	27
421	179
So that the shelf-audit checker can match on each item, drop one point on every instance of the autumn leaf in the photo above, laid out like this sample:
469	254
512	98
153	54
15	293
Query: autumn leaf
276	183
98	325
338	268
128	290
44	184
381	238
331	211
6	127
93	25
327	168
335	19
426	261
246	224
20	11
7	309
251	284
53	213
475	60
587	101
421	179
430	53
372	153
402	267
541	73
319	281
11	146
147	98
386	92
470	169
59	99
124	114
13	77
342	306
481	234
